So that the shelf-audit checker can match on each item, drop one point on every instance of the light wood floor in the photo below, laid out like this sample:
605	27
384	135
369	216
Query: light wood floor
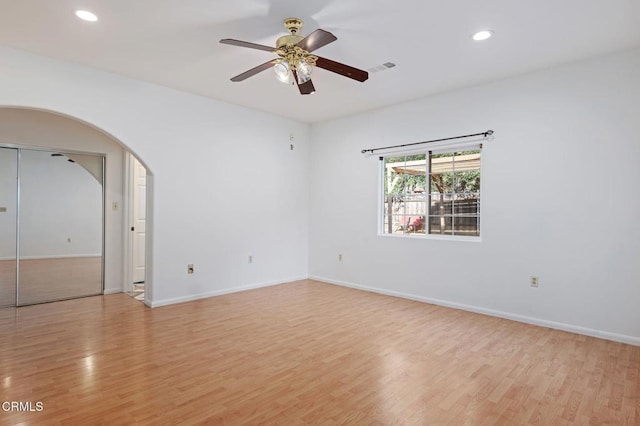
305	353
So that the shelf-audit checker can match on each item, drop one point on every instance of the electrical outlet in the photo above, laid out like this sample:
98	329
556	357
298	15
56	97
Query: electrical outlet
250	259
534	281
340	257
190	268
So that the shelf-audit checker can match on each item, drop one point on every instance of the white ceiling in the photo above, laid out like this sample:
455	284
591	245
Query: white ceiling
175	43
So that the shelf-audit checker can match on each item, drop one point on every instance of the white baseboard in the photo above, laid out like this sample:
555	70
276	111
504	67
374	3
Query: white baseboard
112	291
622	338
192	297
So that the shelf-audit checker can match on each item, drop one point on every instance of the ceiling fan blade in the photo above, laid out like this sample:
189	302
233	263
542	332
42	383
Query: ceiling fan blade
305	88
316	40
241	43
342	69
253	71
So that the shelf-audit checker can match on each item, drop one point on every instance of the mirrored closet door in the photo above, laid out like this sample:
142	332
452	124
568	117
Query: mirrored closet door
59	227
8	228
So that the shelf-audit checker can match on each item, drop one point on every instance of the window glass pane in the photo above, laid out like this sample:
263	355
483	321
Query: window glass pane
442	182
467	161
466	181
414	224
455	191
397	203
404	188
393	176
442	163
468	225
401	224
404	224
414	204
441	204
405	174
440	225
466	203
387	225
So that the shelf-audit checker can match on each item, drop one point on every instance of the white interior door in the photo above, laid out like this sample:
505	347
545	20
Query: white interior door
139	196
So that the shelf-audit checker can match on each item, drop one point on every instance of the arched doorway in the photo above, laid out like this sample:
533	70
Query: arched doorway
23	128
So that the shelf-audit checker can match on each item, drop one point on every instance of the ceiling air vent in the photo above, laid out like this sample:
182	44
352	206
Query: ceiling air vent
382	67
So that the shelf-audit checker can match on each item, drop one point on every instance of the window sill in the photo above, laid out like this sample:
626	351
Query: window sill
434	237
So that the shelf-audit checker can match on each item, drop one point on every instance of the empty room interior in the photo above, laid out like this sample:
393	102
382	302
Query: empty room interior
321	212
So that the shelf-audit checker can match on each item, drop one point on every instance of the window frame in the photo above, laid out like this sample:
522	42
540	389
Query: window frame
428	151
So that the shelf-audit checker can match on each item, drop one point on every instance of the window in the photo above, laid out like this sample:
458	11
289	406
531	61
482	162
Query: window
432	193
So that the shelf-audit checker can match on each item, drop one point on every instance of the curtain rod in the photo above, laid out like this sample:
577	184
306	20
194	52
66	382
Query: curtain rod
484	134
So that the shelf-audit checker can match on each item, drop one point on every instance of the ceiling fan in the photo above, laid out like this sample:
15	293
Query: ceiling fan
295	63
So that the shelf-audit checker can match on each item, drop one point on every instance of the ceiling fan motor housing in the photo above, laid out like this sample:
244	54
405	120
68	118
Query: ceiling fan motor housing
293	25
288	40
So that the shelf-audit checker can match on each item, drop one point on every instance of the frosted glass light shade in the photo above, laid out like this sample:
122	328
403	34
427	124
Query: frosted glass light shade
304	70
283	71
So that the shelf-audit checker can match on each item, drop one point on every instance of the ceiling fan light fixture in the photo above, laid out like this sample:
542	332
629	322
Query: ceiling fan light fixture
304	70
283	71
295	62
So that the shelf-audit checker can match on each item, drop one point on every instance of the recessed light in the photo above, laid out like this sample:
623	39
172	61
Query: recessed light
482	35
85	15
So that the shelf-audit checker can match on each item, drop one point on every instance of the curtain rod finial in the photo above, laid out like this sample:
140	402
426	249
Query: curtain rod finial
489	132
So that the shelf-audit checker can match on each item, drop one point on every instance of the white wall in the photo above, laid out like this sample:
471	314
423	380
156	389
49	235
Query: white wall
559	200
30	128
225	184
